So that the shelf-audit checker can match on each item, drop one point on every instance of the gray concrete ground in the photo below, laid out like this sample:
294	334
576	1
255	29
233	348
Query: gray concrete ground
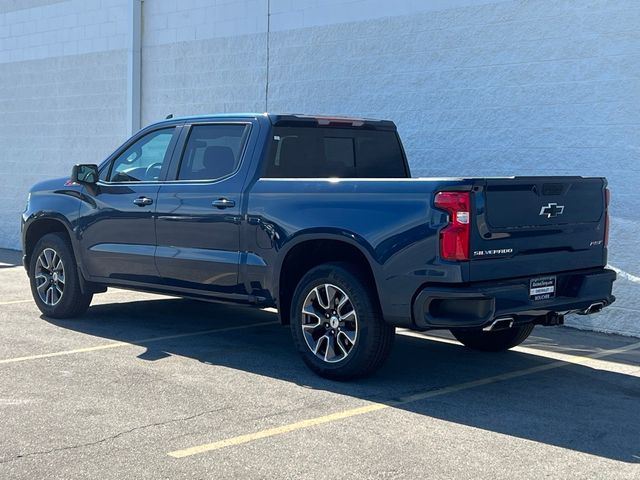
145	386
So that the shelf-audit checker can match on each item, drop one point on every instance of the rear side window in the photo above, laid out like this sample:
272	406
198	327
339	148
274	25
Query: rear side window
313	152
212	151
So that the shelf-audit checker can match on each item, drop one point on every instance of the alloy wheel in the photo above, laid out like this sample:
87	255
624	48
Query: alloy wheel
329	323
49	277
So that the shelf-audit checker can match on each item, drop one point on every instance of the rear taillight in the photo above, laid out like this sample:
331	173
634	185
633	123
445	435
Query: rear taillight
454	238
607	200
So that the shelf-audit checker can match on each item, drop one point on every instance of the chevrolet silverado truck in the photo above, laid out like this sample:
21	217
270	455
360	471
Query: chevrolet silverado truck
319	217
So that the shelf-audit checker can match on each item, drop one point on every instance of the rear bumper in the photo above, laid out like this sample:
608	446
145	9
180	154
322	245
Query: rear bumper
476	305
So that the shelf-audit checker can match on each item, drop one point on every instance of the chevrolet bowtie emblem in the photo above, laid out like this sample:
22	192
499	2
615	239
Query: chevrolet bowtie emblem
552	210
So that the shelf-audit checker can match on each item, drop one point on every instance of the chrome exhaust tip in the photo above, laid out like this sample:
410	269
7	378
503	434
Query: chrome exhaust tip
593	308
499	324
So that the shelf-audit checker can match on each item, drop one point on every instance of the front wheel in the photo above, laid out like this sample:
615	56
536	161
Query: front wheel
493	341
53	275
337	325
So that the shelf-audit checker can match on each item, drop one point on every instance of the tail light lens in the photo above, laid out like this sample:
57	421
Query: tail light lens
607	199
454	238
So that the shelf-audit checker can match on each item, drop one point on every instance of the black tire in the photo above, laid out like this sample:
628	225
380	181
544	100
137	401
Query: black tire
494	341
373	339
72	302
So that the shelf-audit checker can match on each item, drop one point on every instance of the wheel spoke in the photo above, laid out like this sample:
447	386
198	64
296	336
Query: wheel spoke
44	282
329	348
48	256
319	298
350	338
339	343
346	316
342	303
330	296
319	343
311	310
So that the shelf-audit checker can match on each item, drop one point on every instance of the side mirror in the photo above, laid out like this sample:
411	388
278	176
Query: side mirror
85	174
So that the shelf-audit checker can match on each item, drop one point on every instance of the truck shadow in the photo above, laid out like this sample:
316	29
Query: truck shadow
573	407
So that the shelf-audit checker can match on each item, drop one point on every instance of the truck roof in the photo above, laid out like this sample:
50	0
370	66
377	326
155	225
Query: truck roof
295	119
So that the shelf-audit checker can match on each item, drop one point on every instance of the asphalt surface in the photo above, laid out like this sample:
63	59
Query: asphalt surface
145	386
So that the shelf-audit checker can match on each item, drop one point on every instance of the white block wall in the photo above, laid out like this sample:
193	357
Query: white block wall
477	87
203	57
62	93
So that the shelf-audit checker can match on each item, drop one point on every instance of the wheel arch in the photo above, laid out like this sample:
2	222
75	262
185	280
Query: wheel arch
313	249
39	227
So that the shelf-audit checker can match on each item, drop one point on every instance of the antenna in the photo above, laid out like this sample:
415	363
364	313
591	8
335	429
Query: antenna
169	116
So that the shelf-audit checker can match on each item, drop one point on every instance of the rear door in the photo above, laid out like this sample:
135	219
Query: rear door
199	212
529	225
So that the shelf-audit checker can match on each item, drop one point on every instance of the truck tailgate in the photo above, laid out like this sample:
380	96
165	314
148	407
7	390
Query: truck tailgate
536	225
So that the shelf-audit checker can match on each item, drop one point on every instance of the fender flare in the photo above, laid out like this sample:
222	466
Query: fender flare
327	234
40	216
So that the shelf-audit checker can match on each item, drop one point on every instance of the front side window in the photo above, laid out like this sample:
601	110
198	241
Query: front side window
212	151
143	161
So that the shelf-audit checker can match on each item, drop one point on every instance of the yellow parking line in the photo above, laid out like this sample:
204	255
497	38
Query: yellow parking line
551	354
312	422
373	407
12	302
131	343
65	352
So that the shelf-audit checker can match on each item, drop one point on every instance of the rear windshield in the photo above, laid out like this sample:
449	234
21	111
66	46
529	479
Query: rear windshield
314	152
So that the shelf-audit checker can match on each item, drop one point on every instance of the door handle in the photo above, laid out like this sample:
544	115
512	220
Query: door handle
223	203
143	201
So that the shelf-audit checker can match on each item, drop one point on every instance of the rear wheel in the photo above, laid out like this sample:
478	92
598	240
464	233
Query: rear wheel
54	280
337	325
493	341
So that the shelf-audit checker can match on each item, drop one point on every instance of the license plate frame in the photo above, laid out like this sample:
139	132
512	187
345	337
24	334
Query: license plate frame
542	288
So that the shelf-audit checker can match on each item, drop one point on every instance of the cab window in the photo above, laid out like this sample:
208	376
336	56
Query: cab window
315	152
143	161
212	151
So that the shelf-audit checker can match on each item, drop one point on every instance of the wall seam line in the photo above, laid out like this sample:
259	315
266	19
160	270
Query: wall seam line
266	86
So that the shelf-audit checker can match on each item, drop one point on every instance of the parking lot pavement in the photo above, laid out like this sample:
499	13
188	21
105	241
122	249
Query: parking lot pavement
145	386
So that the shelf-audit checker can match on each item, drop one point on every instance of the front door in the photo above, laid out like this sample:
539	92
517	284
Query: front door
198	214
117	227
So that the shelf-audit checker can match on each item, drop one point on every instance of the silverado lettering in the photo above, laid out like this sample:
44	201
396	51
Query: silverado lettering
501	251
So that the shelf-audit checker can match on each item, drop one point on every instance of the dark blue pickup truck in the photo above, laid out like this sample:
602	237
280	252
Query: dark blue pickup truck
320	218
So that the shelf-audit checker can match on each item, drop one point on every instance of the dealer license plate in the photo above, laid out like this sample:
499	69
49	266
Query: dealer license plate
542	288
